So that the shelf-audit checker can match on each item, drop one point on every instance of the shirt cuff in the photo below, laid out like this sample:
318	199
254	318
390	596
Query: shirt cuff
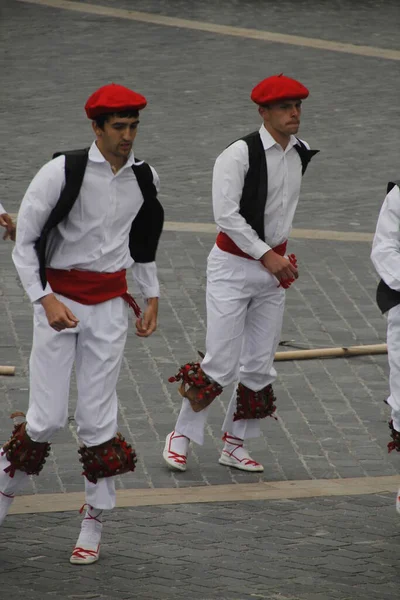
145	276
258	249
36	291
2	210
151	292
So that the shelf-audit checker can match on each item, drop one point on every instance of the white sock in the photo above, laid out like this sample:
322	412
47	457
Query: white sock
179	443
5	503
234	446
91	527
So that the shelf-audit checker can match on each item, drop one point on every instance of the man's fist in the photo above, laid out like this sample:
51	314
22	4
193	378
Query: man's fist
58	315
281	267
7	222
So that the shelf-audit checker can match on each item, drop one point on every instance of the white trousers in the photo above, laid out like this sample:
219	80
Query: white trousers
96	346
244	322
393	342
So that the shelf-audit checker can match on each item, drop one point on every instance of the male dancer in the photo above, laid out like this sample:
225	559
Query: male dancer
75	240
386	259
256	186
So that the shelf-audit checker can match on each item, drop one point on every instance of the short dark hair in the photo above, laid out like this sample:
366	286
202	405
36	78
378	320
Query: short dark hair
100	120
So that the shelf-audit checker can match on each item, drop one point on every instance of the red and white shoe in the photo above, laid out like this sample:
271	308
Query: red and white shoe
84	556
87	549
234	455
176	451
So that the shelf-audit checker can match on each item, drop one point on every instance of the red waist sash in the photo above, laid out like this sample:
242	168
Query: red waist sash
225	243
89	287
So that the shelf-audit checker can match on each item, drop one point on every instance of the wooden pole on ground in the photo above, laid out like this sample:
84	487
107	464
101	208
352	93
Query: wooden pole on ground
332	352
7	370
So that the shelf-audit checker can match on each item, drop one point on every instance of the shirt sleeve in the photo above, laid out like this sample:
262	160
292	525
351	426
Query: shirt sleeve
385	253
228	180
156	179
39	200
145	276
2	210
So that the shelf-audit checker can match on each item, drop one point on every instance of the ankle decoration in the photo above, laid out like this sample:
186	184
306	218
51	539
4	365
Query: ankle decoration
114	457
395	435
196	386
254	405
23	453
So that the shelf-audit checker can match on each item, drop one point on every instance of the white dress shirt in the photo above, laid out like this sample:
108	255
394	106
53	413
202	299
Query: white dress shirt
94	236
2	210
386	245
284	181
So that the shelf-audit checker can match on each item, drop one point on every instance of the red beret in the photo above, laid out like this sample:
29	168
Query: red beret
277	88
113	98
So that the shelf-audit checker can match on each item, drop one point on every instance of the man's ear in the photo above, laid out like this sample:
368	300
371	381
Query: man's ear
263	112
97	130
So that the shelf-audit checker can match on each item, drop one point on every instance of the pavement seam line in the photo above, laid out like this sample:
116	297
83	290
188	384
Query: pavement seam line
267	491
255	34
296	233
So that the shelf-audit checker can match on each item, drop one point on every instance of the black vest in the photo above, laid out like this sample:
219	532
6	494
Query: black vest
146	227
255	189
387	298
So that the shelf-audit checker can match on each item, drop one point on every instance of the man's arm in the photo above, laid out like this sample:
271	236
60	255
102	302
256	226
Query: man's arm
385	253
39	200
7	222
145	276
37	204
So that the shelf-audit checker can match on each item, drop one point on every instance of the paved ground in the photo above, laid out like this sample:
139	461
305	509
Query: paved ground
332	418
342	548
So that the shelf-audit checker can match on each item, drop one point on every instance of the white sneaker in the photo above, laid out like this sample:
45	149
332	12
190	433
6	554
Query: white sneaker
398	502
5	503
234	455
176	451
87	548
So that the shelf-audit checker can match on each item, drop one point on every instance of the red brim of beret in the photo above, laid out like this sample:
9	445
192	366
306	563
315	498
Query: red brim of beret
113	98
277	88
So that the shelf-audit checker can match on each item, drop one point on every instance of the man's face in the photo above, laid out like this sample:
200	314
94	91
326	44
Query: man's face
282	117
117	136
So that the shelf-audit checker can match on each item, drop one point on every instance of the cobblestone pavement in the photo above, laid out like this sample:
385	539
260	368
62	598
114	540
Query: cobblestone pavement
321	549
332	421
332	418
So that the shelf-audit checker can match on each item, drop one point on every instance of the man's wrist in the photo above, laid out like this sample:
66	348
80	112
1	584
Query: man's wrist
152	301
46	299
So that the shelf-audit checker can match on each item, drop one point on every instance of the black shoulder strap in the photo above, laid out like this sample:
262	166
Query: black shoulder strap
392	184
75	166
305	154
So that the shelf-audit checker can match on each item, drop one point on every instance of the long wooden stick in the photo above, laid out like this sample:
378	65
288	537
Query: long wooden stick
332	352
7	370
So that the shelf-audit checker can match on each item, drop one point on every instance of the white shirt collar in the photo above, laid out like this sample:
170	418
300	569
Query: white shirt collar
268	141
96	156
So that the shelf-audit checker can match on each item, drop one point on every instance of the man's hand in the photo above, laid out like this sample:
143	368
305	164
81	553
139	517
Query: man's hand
7	222
279	266
58	315
147	324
